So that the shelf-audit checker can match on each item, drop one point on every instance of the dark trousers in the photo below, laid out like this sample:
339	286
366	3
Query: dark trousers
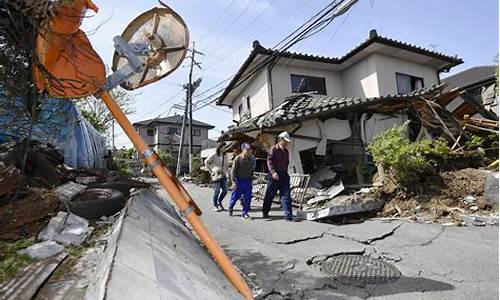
283	186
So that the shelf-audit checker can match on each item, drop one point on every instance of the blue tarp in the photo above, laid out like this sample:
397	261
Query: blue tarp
61	124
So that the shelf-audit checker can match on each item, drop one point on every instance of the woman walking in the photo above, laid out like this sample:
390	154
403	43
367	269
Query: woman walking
242	175
218	166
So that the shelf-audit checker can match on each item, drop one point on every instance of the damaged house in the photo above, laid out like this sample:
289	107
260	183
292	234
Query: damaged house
477	96
334	107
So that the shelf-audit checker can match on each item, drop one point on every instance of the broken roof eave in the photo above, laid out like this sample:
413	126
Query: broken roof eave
358	105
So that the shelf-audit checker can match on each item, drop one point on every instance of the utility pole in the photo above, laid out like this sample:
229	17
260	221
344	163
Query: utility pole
190	88
181	142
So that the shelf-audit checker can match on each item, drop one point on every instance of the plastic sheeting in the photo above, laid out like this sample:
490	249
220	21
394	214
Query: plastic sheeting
59	123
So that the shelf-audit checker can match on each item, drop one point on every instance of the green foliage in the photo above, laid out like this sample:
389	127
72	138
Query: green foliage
166	157
408	161
94	120
196	165
476	141
13	261
130	153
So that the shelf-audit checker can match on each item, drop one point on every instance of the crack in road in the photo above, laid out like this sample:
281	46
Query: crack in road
431	240
368	241
320	258
300	240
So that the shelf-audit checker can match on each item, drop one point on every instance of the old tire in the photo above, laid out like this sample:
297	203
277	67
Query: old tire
97	202
123	187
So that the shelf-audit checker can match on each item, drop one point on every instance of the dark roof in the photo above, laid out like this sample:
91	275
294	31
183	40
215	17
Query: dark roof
373	38
469	77
177	119
310	106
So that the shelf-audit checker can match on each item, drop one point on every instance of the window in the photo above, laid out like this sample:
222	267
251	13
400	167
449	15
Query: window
407	83
302	84
150	132
196	132
248	103
173	130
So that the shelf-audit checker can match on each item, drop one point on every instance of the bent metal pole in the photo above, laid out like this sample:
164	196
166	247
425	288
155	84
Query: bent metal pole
180	196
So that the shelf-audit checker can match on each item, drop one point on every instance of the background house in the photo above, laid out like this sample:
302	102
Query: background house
165	134
333	107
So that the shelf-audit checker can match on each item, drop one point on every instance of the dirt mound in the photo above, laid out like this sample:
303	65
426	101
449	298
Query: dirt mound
452	193
25	216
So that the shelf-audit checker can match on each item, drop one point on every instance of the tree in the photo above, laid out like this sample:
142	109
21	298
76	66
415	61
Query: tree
97	113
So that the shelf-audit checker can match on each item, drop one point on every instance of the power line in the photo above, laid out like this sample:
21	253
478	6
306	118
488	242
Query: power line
232	22
217	21
312	26
234	51
158	106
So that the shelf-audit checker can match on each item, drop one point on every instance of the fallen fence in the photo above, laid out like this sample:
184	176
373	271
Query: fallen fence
298	187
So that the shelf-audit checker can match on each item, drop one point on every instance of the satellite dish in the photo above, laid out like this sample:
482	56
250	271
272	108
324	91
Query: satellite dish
159	39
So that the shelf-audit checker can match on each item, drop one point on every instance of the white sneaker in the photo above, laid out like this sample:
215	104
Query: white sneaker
216	208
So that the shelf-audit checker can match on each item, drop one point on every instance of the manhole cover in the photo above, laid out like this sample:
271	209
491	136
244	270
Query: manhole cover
359	268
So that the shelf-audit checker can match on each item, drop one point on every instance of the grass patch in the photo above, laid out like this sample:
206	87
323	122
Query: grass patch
13	261
74	254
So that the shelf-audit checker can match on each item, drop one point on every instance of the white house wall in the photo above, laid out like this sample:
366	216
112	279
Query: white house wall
361	79
282	83
387	67
258	92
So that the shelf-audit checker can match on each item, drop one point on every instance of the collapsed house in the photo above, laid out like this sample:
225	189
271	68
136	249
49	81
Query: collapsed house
477	96
334	107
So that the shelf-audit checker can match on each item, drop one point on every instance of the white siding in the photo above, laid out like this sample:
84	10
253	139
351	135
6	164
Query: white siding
257	90
361	79
387	67
282	84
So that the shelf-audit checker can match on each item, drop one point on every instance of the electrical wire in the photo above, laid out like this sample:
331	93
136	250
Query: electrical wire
312	26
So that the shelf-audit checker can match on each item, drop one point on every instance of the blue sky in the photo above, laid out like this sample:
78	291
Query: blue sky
224	31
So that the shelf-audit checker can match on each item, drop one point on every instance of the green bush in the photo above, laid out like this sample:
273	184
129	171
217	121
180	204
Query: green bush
476	141
167	157
407	161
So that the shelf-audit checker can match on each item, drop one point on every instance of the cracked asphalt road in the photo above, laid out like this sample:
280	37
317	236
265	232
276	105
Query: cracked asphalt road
281	259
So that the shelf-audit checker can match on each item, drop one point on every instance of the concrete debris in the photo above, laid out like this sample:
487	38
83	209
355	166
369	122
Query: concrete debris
469	199
87	179
43	250
491	187
330	193
322	177
342	205
474	208
56	225
68	191
68	229
479	220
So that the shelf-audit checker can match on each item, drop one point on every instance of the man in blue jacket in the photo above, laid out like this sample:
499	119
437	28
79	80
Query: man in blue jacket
278	178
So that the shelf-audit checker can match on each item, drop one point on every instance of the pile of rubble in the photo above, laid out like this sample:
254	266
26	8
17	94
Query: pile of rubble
326	196
28	199
462	197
